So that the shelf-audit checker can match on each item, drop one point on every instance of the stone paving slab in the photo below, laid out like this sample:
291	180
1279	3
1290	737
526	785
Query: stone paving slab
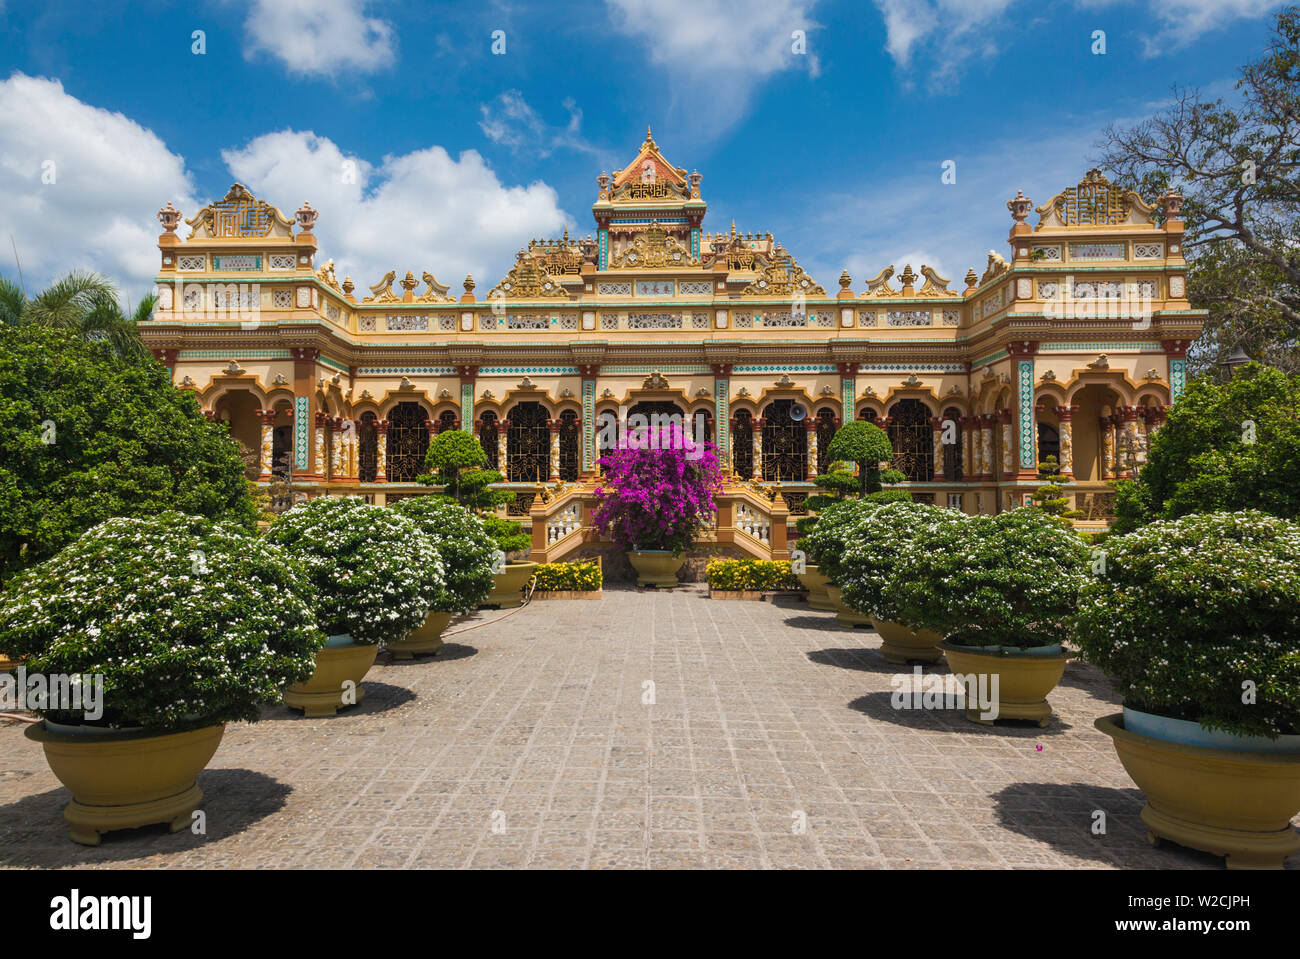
528	744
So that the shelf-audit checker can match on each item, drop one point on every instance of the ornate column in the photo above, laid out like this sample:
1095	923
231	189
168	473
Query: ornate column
1107	431
554	427
321	419
758	450
1022	354
810	424
590	454
1155	418
722	412
986	445
848	391
336	447
503	428
467	376
268	443
1065	417
305	464
381	451
936	423
1176	357
969	451
1128	422
1008	457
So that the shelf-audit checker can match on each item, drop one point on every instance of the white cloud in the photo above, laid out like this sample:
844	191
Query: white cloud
418	211
951	32
110	176
323	38
716	52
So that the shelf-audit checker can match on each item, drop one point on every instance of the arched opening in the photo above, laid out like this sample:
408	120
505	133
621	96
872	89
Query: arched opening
448	420
785	443
868	414
658	414
952	464
408	441
487	438
1088	434
742	444
570	446
368	447
827	423
1049	442
239	409
606	433
528	444
912	439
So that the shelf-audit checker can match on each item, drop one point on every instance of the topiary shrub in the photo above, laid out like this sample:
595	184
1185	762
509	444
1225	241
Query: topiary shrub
1186	612
873	545
826	544
1009	580
751	574
578	577
190	623
865	444
376	573
464	546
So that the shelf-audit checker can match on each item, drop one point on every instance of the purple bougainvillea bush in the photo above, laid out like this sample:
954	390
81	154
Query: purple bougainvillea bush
657	490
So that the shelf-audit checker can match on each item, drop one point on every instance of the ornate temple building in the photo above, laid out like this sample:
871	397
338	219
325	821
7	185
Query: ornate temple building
1071	345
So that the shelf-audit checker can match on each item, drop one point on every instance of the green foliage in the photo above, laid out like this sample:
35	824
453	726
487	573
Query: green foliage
585	576
873	545
865	444
751	574
1006	580
1050	497
1132	506
450	453
826	543
1230	446
81	306
464	547
376	573
87	437
1189	611
190	622
507	534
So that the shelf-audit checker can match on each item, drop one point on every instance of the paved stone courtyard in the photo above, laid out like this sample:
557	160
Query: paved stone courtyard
527	744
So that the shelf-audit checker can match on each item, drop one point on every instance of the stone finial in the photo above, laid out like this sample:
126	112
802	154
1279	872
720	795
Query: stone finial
409	282
469	283
603	180
696	177
845	280
908	278
1020	205
1171	204
169	217
306	217
972	279
348	287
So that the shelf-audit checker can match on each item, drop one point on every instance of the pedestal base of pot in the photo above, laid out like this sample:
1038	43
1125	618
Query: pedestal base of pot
508	585
8	665
336	682
902	645
844	615
813	580
128	781
1227	803
1024	680
654	568
427	640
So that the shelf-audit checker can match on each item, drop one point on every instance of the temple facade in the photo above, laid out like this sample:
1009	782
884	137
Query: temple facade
1072	345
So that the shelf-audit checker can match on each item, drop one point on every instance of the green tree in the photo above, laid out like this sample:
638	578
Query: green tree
1050	496
867	445
1238	166
85	305
1226	446
456	459
87	436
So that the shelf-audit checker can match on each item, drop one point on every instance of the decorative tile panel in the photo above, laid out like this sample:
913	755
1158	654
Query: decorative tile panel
1148	251
407	322
1097	251
1028	457
242	261
282	299
301	406
908	318
614	289
283	261
695	287
654	321
191	264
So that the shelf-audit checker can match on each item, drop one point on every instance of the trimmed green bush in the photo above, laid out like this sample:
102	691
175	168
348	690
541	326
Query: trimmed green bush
751	574
873	545
376	573
1190	614
584	576
463	545
826	544
190	622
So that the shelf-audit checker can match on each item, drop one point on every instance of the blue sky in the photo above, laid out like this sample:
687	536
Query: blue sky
461	155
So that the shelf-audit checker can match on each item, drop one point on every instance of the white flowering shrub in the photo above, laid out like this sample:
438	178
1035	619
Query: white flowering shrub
189	622
873	544
1199	619
375	571
463	544
828	541
1007	580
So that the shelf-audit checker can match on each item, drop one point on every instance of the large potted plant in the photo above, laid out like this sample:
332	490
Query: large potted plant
867	568
376	575
168	627
655	498
1001	590
456	459
467	553
825	546
1198	619
837	484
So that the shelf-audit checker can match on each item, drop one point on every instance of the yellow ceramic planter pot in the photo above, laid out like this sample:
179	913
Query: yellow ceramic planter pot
127	780
425	639
336	682
1023	680
508	585
1233	804
658	569
813	581
8	665
902	645
845	615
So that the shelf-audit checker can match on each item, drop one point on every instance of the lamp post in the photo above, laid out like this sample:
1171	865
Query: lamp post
1237	358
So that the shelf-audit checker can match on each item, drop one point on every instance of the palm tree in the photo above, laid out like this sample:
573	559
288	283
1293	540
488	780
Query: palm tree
84	304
